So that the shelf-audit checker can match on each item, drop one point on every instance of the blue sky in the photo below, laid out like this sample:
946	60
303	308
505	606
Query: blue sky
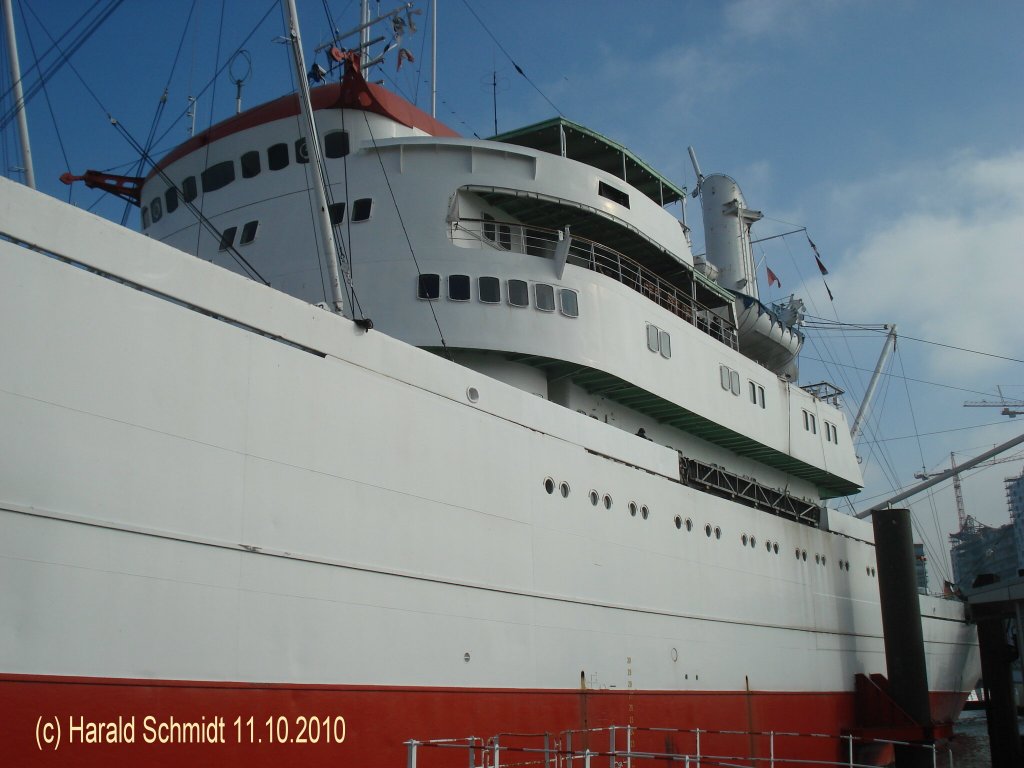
894	131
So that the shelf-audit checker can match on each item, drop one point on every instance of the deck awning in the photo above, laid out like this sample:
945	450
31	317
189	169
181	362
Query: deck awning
559	136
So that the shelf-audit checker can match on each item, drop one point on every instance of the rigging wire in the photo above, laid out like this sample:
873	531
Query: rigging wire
408	240
63	58
46	96
509	57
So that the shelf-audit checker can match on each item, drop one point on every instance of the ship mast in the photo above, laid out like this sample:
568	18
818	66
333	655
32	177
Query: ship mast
316	160
19	96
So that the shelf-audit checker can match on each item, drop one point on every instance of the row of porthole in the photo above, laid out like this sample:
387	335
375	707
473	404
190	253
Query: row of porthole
644	510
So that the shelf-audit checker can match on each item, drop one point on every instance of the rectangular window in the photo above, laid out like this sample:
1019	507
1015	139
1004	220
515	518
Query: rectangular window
250	162
545	297
570	302
505	236
227	238
458	287
756	394
613	194
490	290
249	232
301	151
336	144
734	382
218	176
653	341
428	286
188	189
171	199
490	231
337	213
723	373
518	293
666	344
362	208
277	156
810	424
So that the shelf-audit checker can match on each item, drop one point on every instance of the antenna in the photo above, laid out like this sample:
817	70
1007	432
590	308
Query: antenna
240	70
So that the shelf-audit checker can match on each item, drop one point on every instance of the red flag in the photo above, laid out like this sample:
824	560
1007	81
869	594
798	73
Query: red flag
772	278
821	267
817	256
830	297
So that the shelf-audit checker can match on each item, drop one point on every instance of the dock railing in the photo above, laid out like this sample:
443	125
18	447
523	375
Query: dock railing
576	749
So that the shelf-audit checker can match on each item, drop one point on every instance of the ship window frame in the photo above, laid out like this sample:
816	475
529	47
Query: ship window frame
520	285
227	238
493	289
278	156
335	148
724	376
574	309
217	176
249	232
362	209
301	151
189	189
608	192
423	286
250	164
336	213
171	199
665	343
505	237
156	209
544	297
459	288
653	337
756	394
490	228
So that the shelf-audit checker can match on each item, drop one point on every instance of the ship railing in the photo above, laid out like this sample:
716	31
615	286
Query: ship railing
599	258
698	747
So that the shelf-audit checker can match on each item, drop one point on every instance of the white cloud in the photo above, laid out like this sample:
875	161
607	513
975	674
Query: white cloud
945	259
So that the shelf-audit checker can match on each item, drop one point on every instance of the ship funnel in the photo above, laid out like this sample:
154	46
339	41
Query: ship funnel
727	223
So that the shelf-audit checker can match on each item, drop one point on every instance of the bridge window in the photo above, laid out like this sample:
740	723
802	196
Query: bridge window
336	144
249	232
570	302
613	194
490	290
250	162
428	286
545	297
227	238
756	394
218	176
458	287
518	293
171	199
337	213
301	151
362	208
188	189
156	208
277	156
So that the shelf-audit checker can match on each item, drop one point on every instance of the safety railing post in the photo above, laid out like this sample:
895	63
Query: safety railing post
472	751
497	753
698	748
586	758
850	750
410	753
771	748
611	746
547	750
629	746
568	749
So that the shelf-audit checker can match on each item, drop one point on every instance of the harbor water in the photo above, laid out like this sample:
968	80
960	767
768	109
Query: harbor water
971	746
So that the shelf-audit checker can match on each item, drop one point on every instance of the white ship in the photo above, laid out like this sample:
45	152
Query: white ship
229	515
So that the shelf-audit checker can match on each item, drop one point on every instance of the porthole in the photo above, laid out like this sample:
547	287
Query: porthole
563	488
678	522
277	157
707	530
549	485
607	501
768	546
823	560
817	558
362	208
595	497
872	571
337	213
718	532
645	512
171	198
472	394
775	548
743	538
250	164
847	565
753	542
632	509
156	208
301	151
798	553
689	524
803	555
518	293
227	238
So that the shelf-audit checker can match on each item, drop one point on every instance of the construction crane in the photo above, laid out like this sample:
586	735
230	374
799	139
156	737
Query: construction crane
965	521
1009	407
